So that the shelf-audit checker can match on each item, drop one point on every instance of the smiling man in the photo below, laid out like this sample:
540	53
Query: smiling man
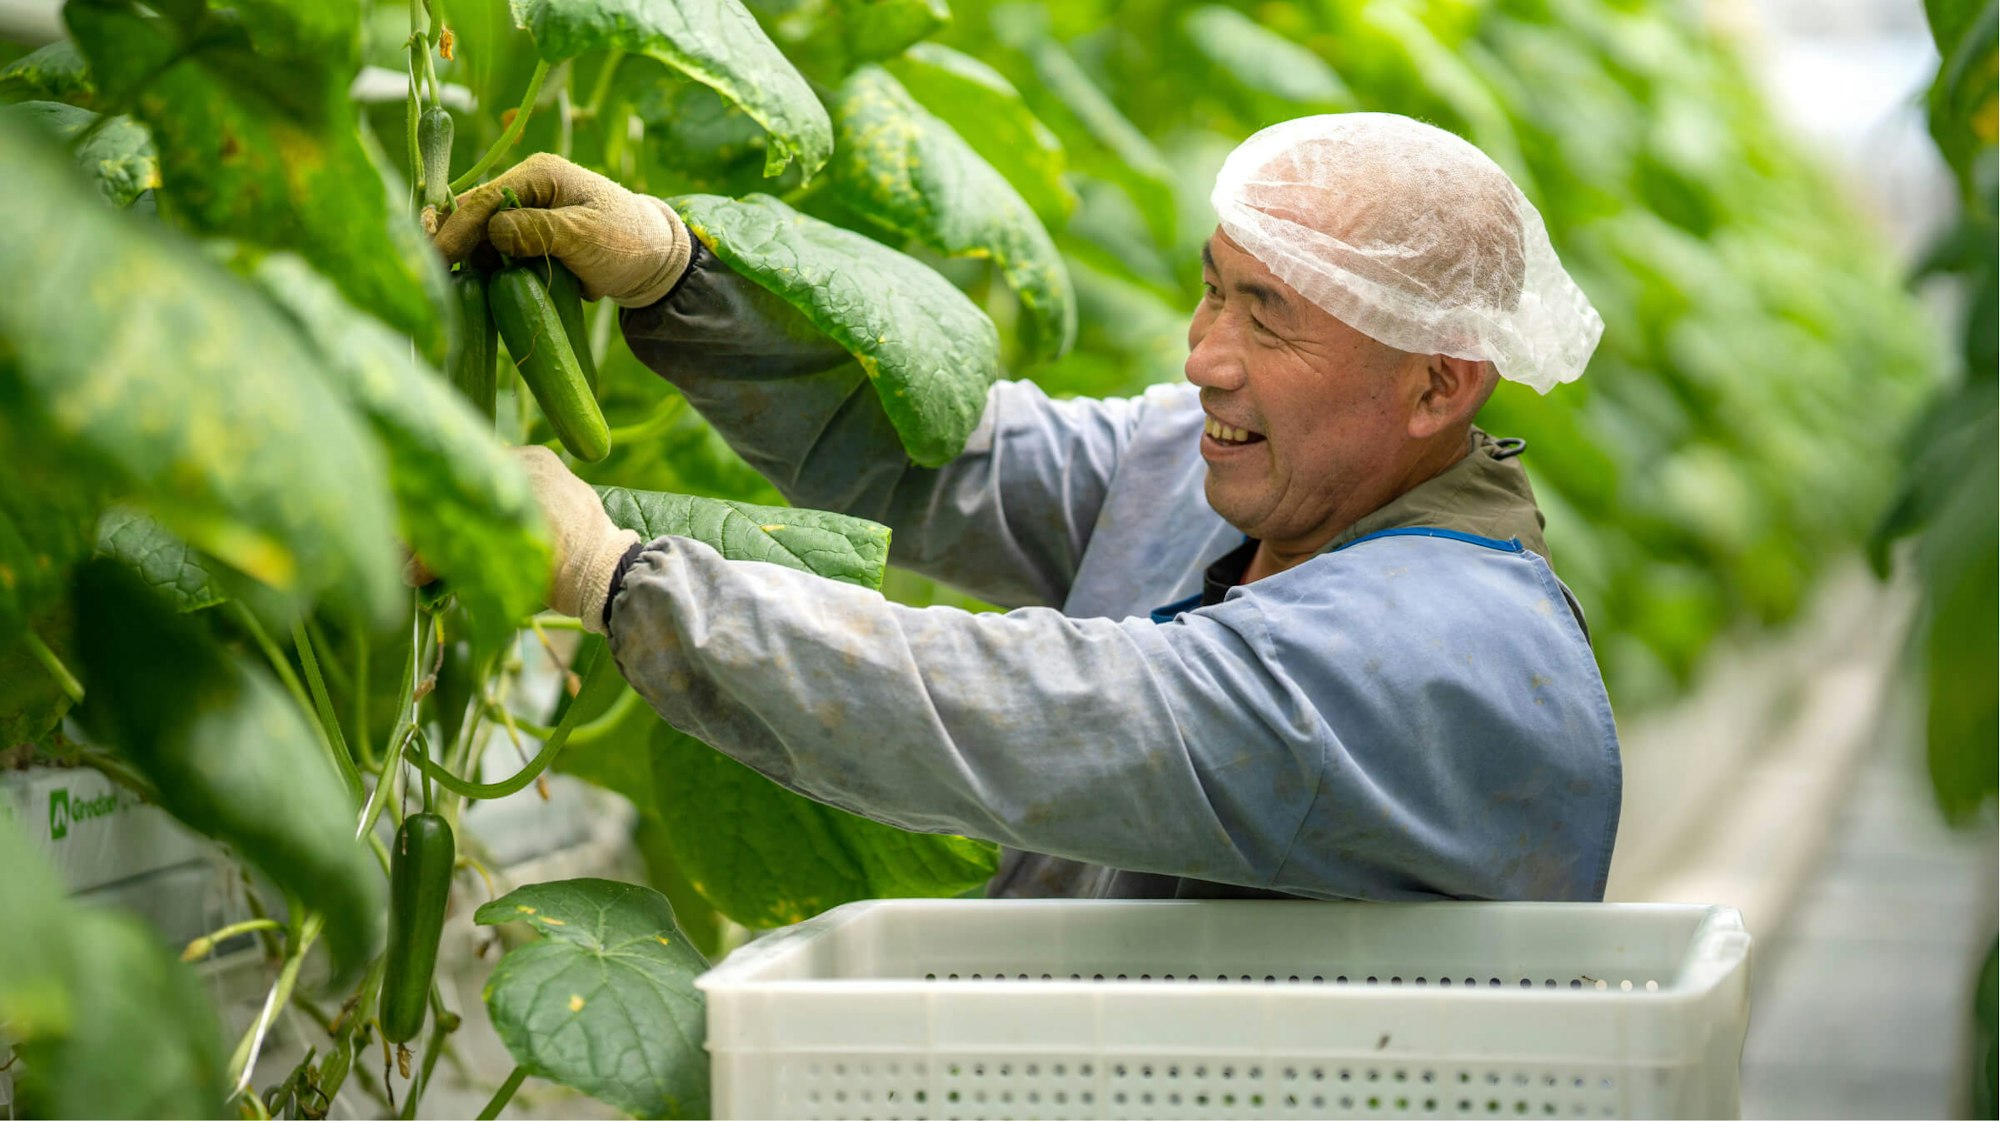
1288	629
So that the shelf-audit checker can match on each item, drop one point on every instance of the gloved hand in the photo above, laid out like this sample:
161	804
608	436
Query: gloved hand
625	246
587	545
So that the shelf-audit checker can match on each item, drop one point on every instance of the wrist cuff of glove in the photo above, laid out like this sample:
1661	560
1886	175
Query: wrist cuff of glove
594	579
617	583
674	260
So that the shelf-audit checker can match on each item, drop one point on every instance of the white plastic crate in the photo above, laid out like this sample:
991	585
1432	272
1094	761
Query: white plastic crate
1085	1008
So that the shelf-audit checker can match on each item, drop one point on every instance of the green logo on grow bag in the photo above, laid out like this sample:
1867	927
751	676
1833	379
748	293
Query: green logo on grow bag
63	812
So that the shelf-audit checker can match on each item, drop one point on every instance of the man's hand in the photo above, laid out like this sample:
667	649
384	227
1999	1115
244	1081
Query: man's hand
621	245
587	545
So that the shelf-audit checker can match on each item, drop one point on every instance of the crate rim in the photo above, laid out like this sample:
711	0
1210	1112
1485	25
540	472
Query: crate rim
1720	930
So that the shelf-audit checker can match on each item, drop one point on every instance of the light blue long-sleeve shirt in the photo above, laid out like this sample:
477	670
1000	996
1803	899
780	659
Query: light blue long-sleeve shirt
1406	716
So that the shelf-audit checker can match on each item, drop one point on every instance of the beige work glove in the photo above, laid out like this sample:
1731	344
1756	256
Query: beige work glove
622	245
587	545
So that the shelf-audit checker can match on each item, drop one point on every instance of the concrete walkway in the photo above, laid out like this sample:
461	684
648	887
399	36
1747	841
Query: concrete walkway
1862	995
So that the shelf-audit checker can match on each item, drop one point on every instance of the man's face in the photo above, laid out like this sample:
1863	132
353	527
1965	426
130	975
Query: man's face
1308	418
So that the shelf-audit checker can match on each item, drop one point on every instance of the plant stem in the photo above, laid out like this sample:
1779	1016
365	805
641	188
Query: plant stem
205	945
330	732
602	86
596	730
657	424
66	679
508	137
432	1047
520	780
361	697
280	664
558	622
503	1095
243	1064
411	111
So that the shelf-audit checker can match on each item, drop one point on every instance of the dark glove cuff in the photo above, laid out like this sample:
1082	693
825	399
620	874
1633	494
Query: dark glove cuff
618	581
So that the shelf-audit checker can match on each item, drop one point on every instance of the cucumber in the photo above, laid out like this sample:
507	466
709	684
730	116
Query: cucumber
470	363
566	292
419	882
540	347
434	130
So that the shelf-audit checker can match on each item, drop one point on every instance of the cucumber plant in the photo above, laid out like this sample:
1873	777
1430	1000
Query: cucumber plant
241	374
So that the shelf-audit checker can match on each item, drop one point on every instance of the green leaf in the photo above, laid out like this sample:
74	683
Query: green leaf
930	352
877	29
47	508
836	546
465	506
163	561
1263	61
159	373
32	701
1097	129
987	111
698	141
229	752
765	856
54	72
119	157
900	166
257	141
605	1002
84	990
1963	96
715	42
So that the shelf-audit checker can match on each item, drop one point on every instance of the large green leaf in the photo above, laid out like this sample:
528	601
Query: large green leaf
930	352
900	166
605	1002
84	990
715	42
163	561
47	507
257	140
986	110
118	157
1964	95
876	29
765	856
1264	61
161	374
697	141
1099	135
228	751
32	701
836	546
55	72
466	506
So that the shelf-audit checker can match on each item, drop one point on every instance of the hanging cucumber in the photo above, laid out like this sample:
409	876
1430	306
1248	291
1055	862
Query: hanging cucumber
434	130
471	360
566	292
419	882
540	347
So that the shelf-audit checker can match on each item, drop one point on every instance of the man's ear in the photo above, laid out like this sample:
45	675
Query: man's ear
1454	390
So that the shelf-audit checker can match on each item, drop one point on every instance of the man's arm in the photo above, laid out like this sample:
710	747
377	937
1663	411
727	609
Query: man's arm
1007	520
1271	741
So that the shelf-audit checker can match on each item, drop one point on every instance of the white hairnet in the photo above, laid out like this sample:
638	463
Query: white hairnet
1411	236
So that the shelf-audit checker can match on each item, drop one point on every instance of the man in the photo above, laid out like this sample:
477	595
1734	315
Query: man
1286	630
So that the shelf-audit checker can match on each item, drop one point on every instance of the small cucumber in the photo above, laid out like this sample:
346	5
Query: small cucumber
540	347
566	292
419	883
470	363
434	130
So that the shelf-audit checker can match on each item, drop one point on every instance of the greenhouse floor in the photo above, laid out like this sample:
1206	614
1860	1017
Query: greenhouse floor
1861	1000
